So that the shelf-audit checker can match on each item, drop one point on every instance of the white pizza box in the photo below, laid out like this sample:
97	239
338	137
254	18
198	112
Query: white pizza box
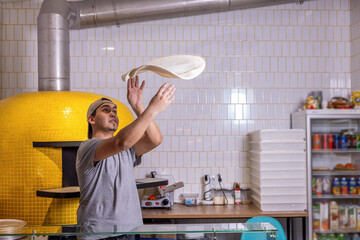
261	166
278	156
272	145
286	207
277	182
294	173
277	134
279	190
286	198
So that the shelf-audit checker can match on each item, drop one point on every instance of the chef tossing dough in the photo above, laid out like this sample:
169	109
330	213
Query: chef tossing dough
178	66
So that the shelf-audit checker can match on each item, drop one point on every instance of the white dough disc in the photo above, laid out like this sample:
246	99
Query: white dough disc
177	66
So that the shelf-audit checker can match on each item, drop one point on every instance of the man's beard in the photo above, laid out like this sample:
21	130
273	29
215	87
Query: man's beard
114	128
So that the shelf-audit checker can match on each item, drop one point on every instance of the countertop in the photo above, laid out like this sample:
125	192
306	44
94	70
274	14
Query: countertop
214	211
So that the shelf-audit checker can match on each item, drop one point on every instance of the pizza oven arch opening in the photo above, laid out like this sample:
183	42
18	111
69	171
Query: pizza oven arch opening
69	176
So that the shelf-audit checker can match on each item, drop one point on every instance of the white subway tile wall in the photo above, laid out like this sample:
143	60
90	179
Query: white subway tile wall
261	65
355	44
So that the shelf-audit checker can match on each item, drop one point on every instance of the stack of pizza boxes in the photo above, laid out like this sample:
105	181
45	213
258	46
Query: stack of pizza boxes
277	160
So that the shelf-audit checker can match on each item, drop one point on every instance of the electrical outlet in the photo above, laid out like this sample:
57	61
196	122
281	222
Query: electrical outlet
219	178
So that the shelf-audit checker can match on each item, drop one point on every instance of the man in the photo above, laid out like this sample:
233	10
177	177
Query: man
104	163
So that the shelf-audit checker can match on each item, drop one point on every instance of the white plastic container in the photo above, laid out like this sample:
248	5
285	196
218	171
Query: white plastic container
284	156
277	166
287	198
277	173
278	206
268	145
189	198
277	134
278	182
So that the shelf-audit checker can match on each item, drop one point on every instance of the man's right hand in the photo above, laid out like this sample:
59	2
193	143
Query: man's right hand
163	98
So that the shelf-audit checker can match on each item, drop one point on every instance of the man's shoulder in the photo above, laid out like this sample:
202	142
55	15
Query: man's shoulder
86	151
89	144
90	141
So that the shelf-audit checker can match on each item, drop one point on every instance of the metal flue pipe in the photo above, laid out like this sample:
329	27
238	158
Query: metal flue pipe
54	46
56	17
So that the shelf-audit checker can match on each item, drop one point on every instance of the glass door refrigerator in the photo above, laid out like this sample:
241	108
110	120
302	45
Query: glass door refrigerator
333	171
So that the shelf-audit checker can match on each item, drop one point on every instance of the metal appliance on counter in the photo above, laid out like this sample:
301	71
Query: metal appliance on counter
166	199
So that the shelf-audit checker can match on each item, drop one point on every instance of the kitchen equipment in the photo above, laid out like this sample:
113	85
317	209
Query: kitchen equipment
166	198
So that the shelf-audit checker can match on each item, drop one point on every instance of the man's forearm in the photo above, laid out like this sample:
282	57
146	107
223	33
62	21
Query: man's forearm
126	137
130	134
152	133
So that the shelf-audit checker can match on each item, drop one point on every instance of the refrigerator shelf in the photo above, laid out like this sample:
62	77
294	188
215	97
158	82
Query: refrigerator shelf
339	231
337	197
336	173
351	150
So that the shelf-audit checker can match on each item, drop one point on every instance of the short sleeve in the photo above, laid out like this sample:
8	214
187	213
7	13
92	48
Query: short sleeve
136	159
86	153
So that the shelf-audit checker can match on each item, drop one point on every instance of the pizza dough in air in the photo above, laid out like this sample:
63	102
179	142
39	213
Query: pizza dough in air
178	66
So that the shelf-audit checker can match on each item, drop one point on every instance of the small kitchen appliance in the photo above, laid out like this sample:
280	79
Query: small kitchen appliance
166	198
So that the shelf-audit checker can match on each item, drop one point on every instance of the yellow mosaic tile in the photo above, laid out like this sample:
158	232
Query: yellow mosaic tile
41	117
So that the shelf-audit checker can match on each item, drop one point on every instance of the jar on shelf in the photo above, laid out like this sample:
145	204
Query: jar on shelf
245	196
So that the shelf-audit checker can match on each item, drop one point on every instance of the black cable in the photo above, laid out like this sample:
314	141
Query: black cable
222	190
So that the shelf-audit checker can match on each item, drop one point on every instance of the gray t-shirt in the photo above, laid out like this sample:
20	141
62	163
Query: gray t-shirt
108	193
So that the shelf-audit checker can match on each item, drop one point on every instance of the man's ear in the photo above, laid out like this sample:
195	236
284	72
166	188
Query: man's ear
91	119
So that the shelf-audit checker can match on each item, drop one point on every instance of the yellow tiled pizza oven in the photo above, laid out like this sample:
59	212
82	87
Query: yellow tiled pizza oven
47	116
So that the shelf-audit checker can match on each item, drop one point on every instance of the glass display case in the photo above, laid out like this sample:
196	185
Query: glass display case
152	231
333	171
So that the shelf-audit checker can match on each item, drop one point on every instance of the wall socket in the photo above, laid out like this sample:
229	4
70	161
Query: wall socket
215	181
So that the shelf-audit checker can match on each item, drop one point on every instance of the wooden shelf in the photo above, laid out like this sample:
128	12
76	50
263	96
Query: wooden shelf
64	192
57	144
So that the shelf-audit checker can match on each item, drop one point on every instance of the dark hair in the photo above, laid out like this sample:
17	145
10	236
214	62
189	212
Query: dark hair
89	125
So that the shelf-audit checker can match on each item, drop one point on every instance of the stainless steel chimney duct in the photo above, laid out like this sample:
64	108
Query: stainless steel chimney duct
56	17
53	46
95	13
